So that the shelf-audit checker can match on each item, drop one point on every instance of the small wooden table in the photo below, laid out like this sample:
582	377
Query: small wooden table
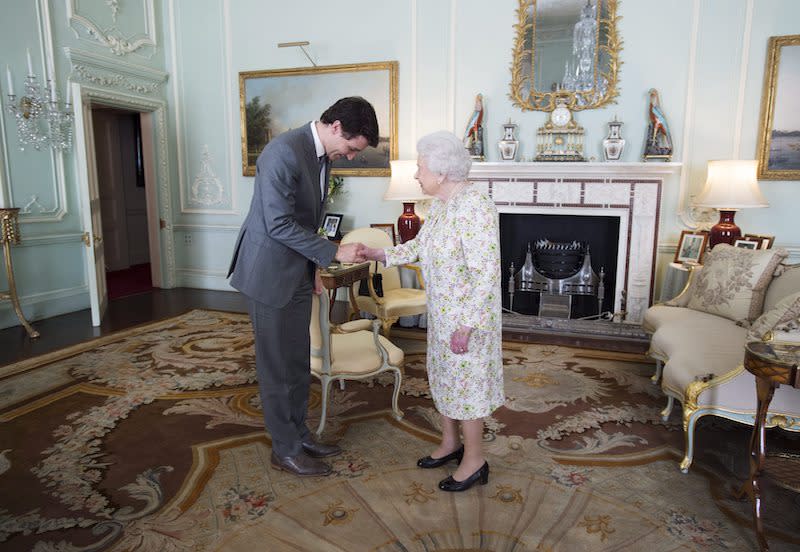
344	275
773	365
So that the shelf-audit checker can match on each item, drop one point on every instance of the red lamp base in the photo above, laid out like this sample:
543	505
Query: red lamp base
408	224
725	231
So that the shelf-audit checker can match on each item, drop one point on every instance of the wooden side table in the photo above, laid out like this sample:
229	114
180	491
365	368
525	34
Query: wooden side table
773	365
9	235
345	275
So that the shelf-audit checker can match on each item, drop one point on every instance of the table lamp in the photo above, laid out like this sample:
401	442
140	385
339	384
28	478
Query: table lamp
404	187
730	186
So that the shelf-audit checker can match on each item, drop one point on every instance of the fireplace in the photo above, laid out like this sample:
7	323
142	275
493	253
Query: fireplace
620	198
559	245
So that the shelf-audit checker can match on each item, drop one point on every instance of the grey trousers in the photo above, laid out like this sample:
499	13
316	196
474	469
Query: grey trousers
282	346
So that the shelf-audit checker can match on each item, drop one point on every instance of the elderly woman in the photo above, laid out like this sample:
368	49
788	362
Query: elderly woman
459	252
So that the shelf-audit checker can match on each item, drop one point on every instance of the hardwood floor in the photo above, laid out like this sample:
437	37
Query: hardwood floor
125	312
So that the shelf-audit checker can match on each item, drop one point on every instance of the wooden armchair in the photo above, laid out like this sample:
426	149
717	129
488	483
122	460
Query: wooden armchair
397	301
350	351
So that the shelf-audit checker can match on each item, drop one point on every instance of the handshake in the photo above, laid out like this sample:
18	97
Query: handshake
358	253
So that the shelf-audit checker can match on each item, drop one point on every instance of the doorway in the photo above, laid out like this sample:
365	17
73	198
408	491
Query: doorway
122	188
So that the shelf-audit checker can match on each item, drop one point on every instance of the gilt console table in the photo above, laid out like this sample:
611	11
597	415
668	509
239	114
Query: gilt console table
9	235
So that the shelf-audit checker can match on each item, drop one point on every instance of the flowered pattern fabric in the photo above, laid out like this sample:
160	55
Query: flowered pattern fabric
459	251
733	281
785	317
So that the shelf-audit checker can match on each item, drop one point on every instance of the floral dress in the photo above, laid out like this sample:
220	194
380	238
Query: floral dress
459	251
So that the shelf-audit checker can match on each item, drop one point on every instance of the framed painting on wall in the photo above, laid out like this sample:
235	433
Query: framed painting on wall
274	101
779	135
388	228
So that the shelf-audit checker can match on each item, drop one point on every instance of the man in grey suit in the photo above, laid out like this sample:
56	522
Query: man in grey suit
275	265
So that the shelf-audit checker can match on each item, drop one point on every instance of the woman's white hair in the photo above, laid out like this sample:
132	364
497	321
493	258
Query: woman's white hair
444	154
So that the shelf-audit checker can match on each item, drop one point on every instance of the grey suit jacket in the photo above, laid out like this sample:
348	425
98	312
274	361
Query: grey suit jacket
278	246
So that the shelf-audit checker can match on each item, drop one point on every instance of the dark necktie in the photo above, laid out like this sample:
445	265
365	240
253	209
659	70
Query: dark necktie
323	159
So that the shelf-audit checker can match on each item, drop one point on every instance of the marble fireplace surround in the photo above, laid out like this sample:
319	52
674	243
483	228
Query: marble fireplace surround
629	191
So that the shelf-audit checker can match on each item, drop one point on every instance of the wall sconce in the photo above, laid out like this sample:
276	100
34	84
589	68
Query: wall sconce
730	186
404	187
38	113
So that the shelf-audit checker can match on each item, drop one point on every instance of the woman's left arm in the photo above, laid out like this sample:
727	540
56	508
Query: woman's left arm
480	243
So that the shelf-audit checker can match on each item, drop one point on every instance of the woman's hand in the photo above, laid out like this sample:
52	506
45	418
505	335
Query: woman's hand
459	341
372	254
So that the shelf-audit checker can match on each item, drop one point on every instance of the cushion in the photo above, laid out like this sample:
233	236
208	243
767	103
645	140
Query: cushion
734	280
784	318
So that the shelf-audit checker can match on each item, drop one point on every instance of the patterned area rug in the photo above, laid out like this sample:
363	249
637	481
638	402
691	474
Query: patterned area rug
152	439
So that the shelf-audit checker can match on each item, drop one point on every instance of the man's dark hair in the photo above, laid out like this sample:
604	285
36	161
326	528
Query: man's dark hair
357	117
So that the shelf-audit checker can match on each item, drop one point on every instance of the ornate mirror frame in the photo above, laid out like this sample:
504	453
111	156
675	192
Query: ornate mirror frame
523	94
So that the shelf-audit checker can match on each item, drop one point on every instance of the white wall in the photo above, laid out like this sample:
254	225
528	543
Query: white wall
706	58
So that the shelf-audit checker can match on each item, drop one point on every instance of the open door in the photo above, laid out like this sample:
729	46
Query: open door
89	197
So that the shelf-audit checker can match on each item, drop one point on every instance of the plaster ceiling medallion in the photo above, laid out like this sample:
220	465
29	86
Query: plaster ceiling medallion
97	22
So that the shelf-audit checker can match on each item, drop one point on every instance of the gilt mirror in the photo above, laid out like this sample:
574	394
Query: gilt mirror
565	47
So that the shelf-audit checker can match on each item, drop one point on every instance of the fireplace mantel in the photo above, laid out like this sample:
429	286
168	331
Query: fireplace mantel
630	191
573	170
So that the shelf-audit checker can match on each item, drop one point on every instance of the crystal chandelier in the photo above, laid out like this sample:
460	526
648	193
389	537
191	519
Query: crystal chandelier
39	115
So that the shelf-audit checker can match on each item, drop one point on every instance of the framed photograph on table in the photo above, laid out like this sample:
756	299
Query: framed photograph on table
764	241
746	244
274	101
691	247
779	134
388	228
331	225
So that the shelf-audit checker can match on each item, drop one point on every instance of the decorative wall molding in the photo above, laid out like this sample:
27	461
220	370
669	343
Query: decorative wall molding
38	306
108	34
165	212
58	185
206	189
216	196
687	214
101	71
207	228
50	239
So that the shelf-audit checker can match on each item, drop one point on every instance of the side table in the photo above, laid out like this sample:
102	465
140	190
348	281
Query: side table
344	275
674	281
9	235
773	364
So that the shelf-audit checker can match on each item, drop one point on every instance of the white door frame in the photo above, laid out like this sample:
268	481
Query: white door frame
159	204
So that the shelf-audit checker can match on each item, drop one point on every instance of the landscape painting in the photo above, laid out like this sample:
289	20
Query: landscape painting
275	101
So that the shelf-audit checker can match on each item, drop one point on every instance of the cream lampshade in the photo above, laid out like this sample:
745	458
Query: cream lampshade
730	186
404	187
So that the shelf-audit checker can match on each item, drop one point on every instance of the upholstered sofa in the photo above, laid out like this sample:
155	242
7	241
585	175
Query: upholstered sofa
698	338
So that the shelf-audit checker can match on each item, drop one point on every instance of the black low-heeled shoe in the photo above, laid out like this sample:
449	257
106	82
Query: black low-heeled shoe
429	462
451	485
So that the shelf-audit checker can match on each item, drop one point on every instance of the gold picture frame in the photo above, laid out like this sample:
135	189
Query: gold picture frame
542	23
691	247
779	148
299	95
765	241
388	228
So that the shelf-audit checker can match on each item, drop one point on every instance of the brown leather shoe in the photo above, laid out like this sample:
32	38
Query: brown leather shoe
302	465
316	449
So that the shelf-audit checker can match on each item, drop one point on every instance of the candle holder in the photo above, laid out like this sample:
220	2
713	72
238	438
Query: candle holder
39	116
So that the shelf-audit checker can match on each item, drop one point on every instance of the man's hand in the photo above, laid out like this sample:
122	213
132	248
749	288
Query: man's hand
459	341
350	253
318	287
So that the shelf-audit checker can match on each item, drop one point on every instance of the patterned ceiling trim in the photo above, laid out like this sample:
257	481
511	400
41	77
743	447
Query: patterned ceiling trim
119	42
113	73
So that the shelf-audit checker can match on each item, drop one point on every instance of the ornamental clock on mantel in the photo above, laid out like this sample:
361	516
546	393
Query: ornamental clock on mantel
560	138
